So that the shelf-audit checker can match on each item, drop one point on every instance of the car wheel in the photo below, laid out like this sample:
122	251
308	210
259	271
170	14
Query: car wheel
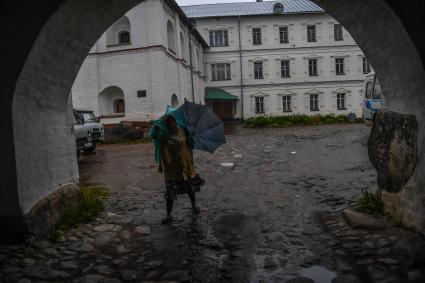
91	149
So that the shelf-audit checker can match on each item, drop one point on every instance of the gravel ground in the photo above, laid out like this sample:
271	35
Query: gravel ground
274	216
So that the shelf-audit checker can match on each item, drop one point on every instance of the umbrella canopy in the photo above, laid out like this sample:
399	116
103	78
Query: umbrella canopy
206	128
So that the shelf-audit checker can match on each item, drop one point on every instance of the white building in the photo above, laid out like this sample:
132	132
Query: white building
265	58
141	64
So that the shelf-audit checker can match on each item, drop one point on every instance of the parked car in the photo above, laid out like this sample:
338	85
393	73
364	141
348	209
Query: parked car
373	98
96	128
82	134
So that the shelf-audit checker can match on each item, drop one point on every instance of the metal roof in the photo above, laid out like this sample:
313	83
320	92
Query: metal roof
218	94
250	8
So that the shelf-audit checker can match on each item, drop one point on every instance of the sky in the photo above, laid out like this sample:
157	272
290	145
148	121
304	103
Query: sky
198	2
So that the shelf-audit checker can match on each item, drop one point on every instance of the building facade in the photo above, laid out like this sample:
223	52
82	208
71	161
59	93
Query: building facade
264	58
280	58
149	58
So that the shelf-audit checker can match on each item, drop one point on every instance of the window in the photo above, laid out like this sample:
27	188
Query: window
182	46
338	32
366	66
340	101
258	70
171	38
283	35
377	92
284	69
314	102
219	38
311	33
312	67
339	66
256	36
124	37
259	105
141	93
277	8
220	72
286	107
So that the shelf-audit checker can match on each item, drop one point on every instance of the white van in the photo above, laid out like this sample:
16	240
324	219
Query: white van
373	98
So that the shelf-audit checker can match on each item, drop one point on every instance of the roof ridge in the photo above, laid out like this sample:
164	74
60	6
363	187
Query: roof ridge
225	3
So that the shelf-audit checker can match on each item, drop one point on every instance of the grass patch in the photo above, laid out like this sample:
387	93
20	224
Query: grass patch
125	141
369	204
72	218
295	120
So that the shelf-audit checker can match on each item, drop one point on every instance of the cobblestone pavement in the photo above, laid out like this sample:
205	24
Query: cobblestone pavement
275	216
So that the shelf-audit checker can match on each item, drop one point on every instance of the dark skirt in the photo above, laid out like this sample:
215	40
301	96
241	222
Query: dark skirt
174	188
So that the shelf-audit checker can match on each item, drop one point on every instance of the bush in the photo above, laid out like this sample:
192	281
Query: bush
369	204
293	120
72	218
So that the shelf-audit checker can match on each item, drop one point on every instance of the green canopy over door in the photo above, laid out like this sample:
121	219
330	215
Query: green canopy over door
218	94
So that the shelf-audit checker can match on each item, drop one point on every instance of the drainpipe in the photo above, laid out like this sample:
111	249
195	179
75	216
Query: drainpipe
240	65
191	65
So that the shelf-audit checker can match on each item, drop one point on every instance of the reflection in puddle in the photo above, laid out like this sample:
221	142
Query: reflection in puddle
319	274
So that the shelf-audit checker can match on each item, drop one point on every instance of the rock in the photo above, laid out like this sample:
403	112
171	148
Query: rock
10	269
269	263
383	242
43	244
105	228
28	261
392	149
120	263
179	275
44	273
364	261
103	269
68	265
416	276
358	220
121	249
346	278
103	239
129	275
300	279
82	247
384	251
410	252
388	260
142	230
23	280
369	245
154	263
50	251
151	274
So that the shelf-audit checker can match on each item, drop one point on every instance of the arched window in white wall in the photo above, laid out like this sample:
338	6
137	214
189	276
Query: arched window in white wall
119	32
174	100
171	37
111	101
182	46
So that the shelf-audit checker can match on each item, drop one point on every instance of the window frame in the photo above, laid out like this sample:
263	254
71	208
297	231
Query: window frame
217	68
219	38
258	70
338	32
287	70
257	36
286	103
283	34
341	101
259	105
314	102
311	33
313	67
339	66
366	65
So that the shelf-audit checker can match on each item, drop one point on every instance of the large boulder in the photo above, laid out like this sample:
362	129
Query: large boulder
393	149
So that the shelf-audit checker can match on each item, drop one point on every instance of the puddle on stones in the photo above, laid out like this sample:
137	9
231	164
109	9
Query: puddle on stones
319	274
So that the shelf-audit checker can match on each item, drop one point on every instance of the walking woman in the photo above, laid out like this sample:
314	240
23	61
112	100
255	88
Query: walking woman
176	163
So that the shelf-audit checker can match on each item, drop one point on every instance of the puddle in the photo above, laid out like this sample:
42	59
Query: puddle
319	274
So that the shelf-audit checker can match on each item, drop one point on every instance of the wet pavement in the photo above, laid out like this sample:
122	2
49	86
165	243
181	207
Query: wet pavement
274	216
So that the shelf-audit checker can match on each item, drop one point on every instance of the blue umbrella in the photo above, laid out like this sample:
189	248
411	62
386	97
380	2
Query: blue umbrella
205	128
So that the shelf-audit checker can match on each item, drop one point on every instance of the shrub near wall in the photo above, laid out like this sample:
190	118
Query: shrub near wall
295	120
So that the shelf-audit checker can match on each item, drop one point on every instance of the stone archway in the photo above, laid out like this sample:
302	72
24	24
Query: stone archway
38	149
